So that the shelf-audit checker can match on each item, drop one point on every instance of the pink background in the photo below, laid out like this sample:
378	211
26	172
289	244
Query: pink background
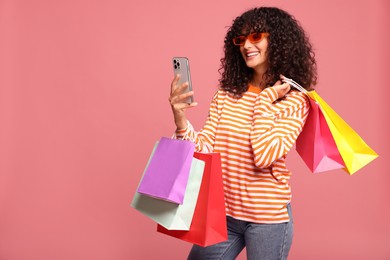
83	97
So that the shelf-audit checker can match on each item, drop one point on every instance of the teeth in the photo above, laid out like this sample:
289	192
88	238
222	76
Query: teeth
251	54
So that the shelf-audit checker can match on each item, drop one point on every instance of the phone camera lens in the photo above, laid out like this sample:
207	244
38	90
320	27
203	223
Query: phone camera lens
175	66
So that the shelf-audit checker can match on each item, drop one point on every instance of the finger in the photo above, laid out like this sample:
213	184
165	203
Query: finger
181	98
285	87
282	89
174	82
277	83
193	104
184	106
284	78
180	89
175	90
183	86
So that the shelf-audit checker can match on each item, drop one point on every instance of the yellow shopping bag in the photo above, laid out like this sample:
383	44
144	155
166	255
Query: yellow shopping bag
353	150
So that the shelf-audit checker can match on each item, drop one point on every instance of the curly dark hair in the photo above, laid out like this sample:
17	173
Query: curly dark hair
289	51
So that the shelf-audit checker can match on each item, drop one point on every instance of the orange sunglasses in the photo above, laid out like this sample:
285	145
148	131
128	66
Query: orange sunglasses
253	38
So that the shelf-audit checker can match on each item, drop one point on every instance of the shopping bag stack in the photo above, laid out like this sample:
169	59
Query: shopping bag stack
327	142
175	188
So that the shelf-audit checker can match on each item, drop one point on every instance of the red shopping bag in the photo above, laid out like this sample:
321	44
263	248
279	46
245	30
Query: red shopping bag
316	145
208	225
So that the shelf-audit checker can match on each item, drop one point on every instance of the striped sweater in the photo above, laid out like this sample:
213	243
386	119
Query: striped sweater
253	135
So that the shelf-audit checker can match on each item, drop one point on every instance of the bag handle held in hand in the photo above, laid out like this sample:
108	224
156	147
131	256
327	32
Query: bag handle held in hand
294	84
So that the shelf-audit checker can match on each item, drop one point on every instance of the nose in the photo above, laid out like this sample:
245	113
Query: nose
247	44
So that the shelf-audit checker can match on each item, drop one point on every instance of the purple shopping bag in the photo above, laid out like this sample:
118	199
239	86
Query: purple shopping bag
167	174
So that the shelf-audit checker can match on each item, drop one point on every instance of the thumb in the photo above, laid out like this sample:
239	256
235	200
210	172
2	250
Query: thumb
277	83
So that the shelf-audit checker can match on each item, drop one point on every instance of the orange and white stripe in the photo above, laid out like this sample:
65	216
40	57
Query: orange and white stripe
253	135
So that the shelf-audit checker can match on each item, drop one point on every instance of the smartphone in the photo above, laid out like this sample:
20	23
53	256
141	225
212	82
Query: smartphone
181	66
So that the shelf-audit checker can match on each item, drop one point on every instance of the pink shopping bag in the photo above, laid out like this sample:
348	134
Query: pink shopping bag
316	145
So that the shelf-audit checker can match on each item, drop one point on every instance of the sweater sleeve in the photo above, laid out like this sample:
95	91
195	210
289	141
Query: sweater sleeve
205	138
276	125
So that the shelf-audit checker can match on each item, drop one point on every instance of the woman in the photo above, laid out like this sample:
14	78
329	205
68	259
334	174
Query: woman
253	122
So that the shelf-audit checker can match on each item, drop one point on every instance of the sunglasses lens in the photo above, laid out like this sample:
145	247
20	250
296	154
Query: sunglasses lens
240	40
255	37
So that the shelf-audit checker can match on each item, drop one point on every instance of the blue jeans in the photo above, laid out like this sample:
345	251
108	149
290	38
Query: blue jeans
262	241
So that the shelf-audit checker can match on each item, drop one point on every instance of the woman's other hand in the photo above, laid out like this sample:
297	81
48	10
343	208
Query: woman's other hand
282	89
177	100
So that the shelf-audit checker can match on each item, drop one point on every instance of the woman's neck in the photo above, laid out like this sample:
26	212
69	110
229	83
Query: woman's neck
258	80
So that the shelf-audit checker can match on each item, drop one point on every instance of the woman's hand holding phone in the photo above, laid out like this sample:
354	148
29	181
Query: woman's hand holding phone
178	100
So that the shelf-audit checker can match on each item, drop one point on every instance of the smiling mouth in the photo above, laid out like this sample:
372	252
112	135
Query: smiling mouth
252	54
